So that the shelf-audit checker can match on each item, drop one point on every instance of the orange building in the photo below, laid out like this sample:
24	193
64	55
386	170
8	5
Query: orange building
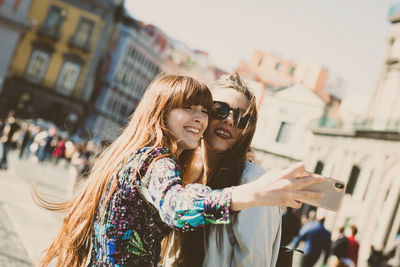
276	72
268	71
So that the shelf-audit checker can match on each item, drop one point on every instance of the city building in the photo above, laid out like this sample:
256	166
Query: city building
364	155
181	59
277	72
53	69
136	53
367	158
384	112
133	60
283	134
13	23
369	162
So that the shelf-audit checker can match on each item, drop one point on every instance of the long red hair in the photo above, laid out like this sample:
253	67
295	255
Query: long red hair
146	128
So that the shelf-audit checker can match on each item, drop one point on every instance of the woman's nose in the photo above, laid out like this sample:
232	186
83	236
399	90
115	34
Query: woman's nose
200	116
229	119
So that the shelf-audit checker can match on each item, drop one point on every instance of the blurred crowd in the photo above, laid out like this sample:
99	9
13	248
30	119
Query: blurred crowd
317	241
45	144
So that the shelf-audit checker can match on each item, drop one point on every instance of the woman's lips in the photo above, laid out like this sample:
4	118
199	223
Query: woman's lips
223	133
192	130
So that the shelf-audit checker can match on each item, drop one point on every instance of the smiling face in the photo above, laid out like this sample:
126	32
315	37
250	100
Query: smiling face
222	135
187	125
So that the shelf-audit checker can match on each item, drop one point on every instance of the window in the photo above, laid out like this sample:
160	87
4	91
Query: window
16	5
157	70
68	77
125	75
130	52
371	174
119	75
139	60
37	66
284	132
355	172
83	33
110	102
277	66
319	167
123	111
291	71
54	20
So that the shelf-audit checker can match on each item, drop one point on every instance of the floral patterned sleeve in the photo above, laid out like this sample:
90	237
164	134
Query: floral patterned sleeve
183	207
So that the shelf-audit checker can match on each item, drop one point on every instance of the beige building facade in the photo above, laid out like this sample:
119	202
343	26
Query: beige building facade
284	118
384	112
369	162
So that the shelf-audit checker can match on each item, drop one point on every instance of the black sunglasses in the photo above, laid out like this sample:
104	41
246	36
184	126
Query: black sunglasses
221	110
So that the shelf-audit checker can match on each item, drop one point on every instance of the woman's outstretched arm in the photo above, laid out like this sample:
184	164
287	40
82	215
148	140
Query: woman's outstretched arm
276	188
195	204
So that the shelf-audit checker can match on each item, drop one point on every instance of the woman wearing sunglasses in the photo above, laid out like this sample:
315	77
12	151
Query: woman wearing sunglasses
252	238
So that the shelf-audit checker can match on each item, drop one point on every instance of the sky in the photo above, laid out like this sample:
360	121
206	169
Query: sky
348	37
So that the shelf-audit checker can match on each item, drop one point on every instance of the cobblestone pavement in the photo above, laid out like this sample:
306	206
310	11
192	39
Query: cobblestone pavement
25	229
12	252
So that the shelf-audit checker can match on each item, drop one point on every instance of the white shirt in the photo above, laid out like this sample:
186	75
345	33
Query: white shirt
253	239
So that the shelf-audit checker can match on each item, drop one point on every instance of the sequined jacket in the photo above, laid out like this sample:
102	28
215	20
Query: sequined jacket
149	201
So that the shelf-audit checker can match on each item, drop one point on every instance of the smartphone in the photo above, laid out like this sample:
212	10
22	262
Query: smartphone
333	190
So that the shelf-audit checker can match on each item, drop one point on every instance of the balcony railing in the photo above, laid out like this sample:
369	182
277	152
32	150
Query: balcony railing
85	47
52	33
394	13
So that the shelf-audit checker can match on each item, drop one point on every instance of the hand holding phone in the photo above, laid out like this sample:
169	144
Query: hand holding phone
333	191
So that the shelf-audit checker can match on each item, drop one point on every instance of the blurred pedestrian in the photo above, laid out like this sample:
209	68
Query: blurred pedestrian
80	169
70	149
316	240
6	138
2	124
291	225
354	246
339	251
46	145
25	140
59	150
393	256
376	258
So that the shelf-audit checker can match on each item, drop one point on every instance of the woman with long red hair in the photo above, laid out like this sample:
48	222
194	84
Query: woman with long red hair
135	194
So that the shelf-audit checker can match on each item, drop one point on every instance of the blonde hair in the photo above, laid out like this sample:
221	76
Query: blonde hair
146	128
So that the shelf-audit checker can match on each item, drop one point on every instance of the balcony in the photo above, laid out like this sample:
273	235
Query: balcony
394	13
84	46
392	61
52	33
